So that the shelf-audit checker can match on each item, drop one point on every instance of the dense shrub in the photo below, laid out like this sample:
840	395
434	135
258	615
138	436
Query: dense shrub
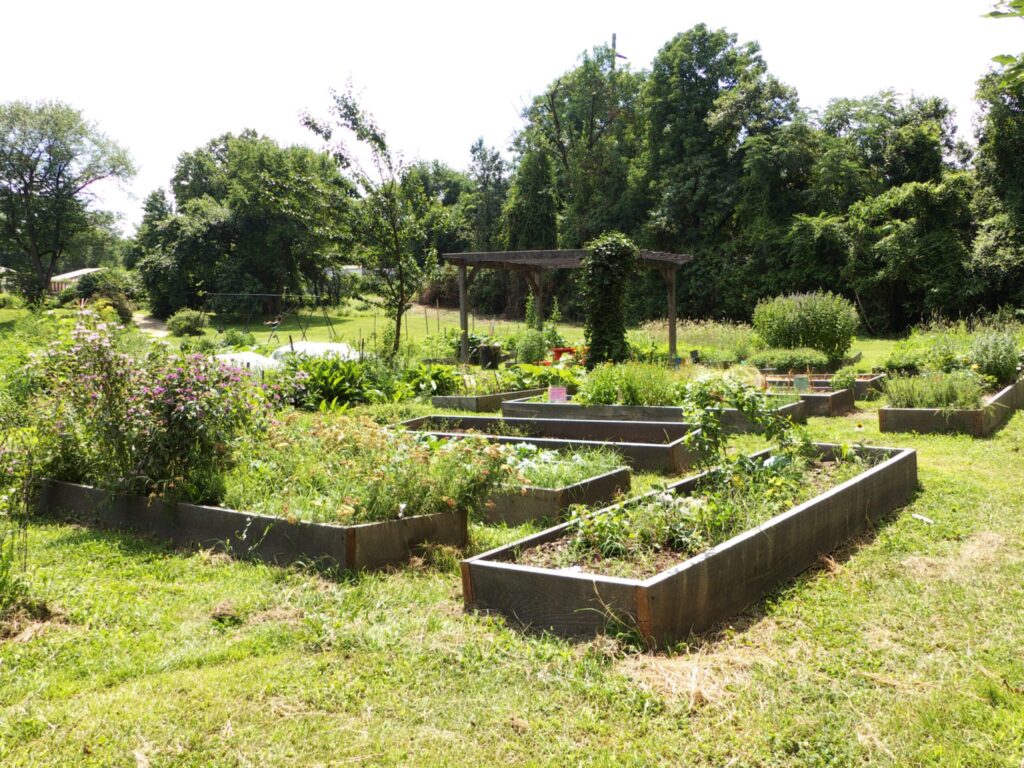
799	359
531	347
822	321
187	322
200	346
959	389
10	301
995	355
234	337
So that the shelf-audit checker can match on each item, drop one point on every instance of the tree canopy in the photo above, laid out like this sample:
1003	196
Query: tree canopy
50	159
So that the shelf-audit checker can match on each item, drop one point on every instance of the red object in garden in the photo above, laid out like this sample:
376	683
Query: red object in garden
559	351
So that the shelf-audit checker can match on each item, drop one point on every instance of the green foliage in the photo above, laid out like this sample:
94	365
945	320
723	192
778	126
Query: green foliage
991	348
529	376
347	470
822	321
187	322
50	156
798	359
427	380
629	384
531	347
153	423
235	337
959	389
995	355
607	268
844	378
541	468
730	499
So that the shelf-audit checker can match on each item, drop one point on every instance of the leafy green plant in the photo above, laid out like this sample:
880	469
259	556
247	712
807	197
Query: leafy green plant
429	379
995	355
606	271
235	337
844	378
187	322
531	347
799	359
822	321
530	465
529	376
959	389
629	384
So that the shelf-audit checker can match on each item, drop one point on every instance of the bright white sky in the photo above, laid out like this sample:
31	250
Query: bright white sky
162	78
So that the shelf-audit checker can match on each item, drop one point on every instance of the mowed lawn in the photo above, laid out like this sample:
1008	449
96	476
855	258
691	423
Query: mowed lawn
903	649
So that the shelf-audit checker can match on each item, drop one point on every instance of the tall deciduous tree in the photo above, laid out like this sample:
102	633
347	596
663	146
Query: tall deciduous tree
50	158
389	225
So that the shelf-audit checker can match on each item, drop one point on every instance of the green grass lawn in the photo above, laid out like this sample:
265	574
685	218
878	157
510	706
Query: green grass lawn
902	650
354	326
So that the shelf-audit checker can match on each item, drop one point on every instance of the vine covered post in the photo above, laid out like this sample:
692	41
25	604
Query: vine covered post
607	267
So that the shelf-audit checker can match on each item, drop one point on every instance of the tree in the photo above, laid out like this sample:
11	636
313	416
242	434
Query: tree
483	205
705	98
389	223
250	217
1013	66
585	123
50	158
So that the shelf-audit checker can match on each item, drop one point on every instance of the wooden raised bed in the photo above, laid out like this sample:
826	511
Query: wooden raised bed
651	446
732	419
977	422
261	537
866	382
701	590
535	503
482	403
828	402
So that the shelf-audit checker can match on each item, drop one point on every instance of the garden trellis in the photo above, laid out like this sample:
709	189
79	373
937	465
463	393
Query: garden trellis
533	264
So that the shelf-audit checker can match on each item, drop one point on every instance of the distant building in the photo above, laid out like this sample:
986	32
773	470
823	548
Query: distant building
59	282
6	278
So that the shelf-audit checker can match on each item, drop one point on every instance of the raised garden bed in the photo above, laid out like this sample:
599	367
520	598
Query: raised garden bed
271	539
866	382
481	403
699	591
552	503
827	402
977	422
649	446
732	419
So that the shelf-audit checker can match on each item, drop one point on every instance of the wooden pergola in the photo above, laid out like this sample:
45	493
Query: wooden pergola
533	264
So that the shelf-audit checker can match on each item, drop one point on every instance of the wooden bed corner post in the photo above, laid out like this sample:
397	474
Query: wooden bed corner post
463	314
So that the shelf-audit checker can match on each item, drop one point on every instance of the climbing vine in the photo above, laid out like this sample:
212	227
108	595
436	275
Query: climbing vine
606	270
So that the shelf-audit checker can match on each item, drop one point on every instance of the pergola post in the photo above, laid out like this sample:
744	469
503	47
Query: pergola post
535	279
669	275
463	314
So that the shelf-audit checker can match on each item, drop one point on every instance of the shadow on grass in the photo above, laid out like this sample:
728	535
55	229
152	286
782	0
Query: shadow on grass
79	530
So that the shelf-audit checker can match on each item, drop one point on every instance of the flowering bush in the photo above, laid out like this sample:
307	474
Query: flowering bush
157	423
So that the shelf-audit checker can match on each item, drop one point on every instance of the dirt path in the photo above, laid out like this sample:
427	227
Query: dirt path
151	326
